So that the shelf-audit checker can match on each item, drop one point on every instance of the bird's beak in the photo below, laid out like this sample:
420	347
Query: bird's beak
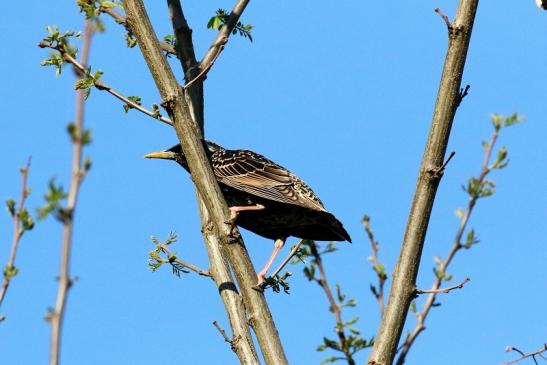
165	155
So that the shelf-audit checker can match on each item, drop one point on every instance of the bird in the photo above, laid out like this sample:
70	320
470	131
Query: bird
265	198
542	4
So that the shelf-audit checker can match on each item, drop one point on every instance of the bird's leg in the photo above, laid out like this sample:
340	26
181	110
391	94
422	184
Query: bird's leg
277	246
234	212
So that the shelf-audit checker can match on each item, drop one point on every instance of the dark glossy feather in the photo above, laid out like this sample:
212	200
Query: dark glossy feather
291	207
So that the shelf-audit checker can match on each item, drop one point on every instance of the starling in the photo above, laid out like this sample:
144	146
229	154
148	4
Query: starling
266	198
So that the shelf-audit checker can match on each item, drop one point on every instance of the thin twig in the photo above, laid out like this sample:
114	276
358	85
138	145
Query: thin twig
456	246
334	307
463	93
17	231
523	356
222	332
284	263
100	85
56	315
445	18
204	70
376	265
443	290
186	265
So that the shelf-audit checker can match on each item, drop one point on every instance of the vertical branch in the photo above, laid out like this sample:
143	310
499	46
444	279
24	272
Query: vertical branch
18	230
209	194
448	98
56	315
377	266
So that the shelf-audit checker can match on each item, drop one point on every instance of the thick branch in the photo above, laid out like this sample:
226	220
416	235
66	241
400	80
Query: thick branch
185	52
404	278
209	194
56	316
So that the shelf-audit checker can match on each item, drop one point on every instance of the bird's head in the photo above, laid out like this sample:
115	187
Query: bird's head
175	153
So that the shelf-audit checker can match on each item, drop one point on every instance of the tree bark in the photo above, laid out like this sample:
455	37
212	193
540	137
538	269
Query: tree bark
430	173
209	194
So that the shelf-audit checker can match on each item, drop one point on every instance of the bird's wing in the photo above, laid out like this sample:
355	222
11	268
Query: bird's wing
253	173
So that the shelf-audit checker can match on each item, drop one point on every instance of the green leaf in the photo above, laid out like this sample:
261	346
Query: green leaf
53	198
25	219
10	204
130	39
135	99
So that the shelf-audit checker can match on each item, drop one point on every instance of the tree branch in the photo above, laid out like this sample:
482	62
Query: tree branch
456	246
184	264
404	277
523	356
18	230
100	85
56	315
190	66
212	203
377	266
444	290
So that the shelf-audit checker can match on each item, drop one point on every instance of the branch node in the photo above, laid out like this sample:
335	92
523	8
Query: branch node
437	172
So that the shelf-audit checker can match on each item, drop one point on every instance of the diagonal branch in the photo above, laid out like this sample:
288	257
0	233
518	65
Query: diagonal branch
100	85
404	277
523	356
212	204
18	230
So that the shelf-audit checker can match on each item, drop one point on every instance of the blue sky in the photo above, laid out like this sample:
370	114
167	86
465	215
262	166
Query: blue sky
341	93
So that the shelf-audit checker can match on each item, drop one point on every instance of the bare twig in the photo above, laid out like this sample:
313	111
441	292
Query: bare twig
377	266
443	290
445	18
56	315
204	70
100	85
406	270
186	265
463	93
18	232
443	266
222	332
523	356
291	254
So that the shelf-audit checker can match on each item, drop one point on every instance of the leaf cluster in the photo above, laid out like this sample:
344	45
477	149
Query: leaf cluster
60	42
155	259
221	17
54	197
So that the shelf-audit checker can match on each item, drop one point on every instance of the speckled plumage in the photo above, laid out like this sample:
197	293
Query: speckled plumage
291	207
